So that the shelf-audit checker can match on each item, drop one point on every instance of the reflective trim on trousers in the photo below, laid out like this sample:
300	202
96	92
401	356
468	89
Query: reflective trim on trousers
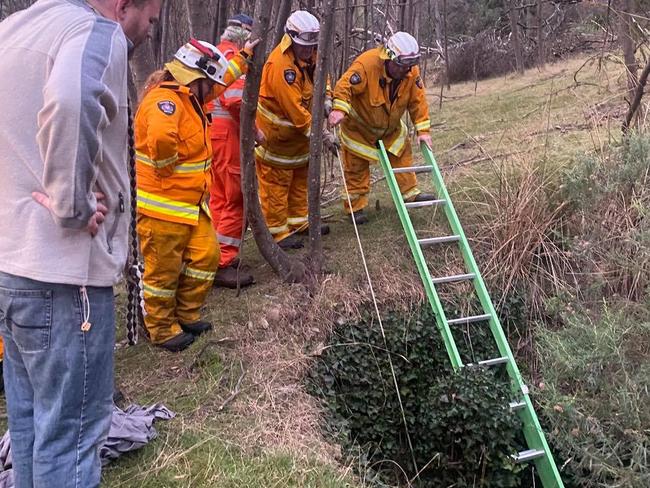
280	229
158	292
198	274
410	194
297	220
231	241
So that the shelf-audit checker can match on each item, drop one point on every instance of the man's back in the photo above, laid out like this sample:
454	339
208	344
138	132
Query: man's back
62	133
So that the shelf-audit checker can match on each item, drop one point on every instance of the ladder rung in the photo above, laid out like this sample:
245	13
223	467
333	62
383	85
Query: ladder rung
437	240
413	169
468	320
493	362
426	203
452	279
514	406
529	455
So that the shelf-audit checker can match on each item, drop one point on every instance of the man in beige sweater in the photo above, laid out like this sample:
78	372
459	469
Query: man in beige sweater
64	199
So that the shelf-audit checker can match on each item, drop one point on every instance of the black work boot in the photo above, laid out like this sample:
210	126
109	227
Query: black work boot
293	241
177	344
423	197
324	230
228	276
196	328
359	217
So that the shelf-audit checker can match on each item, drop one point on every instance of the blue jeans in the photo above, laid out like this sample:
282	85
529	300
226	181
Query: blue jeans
58	380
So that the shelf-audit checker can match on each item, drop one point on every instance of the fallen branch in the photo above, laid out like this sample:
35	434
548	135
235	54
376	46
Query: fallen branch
234	393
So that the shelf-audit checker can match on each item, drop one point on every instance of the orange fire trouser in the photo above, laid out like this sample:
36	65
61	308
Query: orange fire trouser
357	177
283	195
226	199
179	266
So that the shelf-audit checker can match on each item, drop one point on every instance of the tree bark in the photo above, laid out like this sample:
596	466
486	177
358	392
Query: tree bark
446	41
200	19
626	30
284	10
289	269
541	52
638	95
316	141
513	14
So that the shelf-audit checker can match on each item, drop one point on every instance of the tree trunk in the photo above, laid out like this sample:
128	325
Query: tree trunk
446	41
289	269
284	10
627	42
143	62
541	53
316	142
638	95
513	14
347	13
200	18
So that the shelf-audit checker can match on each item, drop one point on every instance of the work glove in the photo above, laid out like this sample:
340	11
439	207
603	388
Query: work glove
328	106
331	142
335	118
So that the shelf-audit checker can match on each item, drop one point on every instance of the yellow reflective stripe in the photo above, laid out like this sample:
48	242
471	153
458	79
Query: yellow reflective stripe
341	105
234	68
159	163
267	114
198	167
398	145
424	125
297	220
158	292
374	130
266	155
410	194
156	203
206	208
198	274
278	230
359	148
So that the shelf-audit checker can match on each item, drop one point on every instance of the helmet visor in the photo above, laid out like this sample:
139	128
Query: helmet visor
305	38
407	60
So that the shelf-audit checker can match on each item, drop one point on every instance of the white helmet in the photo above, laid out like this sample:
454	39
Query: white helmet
303	28
204	57
403	49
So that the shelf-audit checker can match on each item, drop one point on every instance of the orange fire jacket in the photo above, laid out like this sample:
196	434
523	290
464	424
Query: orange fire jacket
363	93
284	108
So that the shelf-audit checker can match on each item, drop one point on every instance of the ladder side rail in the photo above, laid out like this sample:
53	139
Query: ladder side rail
533	432
423	269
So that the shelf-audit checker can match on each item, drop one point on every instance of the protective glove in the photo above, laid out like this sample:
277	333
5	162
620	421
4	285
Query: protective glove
331	142
328	106
335	118
426	138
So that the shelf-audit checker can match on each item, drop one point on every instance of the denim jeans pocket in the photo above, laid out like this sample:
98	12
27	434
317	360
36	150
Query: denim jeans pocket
28	316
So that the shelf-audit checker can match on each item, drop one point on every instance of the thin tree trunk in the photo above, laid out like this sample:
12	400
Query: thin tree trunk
316	142
198	13
513	13
289	269
541	53
627	42
638	95
446	40
284	10
346	35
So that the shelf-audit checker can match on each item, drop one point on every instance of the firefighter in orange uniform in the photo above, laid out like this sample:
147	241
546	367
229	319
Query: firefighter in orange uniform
173	156
284	116
226	199
369	102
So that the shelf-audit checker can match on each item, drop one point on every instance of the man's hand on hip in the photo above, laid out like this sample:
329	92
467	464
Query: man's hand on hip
93	222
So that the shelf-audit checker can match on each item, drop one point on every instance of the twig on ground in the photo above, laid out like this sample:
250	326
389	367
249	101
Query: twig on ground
209	343
234	393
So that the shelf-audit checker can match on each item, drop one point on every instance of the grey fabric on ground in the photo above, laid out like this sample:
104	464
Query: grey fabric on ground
130	430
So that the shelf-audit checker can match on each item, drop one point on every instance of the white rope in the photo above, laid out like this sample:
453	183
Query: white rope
374	301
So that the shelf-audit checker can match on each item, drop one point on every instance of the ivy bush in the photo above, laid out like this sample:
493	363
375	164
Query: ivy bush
461	430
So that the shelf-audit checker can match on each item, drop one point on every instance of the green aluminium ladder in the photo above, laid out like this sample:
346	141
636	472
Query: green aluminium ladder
538	450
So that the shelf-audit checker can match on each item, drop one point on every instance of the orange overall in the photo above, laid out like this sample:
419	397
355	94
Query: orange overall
180	251
226	199
284	115
375	104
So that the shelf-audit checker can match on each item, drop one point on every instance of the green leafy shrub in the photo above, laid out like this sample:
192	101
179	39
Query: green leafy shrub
596	372
461	430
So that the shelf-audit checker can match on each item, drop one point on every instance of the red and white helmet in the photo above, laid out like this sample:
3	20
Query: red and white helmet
403	49
303	28
204	57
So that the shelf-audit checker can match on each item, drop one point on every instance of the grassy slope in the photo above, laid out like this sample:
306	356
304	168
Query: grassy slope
268	434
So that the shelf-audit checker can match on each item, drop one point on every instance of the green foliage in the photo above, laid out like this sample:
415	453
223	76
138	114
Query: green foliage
461	429
597	377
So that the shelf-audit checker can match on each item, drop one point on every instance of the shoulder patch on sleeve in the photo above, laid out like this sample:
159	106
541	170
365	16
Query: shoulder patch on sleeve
355	79
290	76
418	82
167	107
